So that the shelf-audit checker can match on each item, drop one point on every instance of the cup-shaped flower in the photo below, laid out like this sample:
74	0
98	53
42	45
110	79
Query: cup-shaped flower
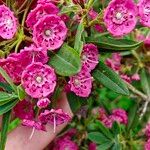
50	32
38	80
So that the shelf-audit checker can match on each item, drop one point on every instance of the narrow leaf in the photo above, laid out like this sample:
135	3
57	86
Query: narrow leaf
105	146
5	125
21	92
8	106
110	79
66	61
78	46
109	43
8	79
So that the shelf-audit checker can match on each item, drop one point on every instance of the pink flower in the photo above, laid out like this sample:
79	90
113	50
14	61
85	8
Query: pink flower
147	145
120	17
120	116
43	102
12	67
38	80
81	84
50	32
54	117
105	120
24	110
8	23
33	124
89	56
92	146
33	53
144	12
65	18
39	12
115	62
147	130
135	77
125	78
65	144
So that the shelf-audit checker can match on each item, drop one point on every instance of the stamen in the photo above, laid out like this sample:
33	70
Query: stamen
33	130
54	124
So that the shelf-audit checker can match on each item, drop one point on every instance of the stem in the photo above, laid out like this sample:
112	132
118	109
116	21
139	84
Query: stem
17	46
24	3
137	92
144	109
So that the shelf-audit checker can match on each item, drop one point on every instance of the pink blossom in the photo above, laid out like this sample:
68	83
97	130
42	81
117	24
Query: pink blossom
104	118
33	124
114	62
50	32
120	116
120	17
43	102
65	18
39	12
54	117
144	12
81	84
65	144
92	146
8	23
24	110
147	130
147	145
126	78
33	53
38	80
12	68
89	56
135	77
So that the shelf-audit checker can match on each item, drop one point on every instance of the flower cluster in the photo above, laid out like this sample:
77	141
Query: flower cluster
147	133
118	115
81	84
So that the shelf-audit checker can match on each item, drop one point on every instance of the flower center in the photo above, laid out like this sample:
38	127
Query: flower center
84	57
119	15
76	82
48	32
9	23
39	79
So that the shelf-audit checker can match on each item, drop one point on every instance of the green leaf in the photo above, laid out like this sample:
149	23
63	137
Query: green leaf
21	92
109	43
8	79
145	82
5	125
78	46
8	106
105	146
66	61
97	137
6	87
75	102
104	130
110	79
6	97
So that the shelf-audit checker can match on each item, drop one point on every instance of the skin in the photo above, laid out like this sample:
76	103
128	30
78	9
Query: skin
19	138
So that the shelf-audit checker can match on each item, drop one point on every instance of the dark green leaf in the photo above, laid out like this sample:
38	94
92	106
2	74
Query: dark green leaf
69	9
104	130
66	61
78	46
145	82
132	115
5	125
97	137
109	43
8	106
110	79
6	87
6	96
105	146
75	102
